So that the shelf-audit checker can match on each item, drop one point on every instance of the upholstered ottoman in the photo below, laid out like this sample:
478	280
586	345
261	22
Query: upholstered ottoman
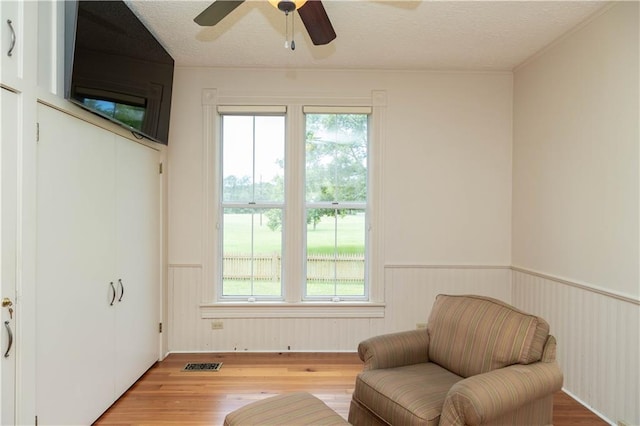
300	408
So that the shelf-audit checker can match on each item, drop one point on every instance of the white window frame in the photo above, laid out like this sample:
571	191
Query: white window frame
305	204
293	305
263	111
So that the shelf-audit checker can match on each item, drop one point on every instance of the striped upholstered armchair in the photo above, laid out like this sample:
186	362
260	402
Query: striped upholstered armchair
479	362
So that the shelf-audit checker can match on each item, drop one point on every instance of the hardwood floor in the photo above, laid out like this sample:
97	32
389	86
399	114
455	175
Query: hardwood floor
168	395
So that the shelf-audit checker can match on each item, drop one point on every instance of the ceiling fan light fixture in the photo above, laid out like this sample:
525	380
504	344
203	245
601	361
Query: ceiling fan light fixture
312	14
287	5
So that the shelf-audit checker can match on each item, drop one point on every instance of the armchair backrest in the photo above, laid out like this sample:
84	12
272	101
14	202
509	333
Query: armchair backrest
469	335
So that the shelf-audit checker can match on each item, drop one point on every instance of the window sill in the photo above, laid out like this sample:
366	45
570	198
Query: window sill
292	310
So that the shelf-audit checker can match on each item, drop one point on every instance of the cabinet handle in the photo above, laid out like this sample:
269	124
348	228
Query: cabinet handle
8	327
13	38
113	289
121	290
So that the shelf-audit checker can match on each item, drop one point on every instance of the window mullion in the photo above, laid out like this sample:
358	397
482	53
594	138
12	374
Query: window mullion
294	211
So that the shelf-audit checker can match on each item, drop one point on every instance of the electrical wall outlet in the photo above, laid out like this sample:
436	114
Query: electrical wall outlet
217	325
421	325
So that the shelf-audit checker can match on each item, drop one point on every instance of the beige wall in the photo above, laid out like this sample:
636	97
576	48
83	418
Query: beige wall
576	177
447	157
576	187
447	185
446	199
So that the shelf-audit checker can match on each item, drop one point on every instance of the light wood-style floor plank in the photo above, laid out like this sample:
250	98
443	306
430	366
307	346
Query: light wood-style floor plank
166	395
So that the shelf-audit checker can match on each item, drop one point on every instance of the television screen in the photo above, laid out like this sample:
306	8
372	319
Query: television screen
116	68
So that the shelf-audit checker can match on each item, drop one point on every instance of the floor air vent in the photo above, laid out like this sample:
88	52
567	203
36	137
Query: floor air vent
203	366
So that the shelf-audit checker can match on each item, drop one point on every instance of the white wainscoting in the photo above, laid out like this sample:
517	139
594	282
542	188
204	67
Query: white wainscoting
410	290
598	341
409	294
184	296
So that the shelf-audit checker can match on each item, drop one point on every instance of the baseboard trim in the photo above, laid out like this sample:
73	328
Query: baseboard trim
585	405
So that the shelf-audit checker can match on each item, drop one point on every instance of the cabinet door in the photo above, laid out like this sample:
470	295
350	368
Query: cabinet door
75	266
8	238
18	42
138	261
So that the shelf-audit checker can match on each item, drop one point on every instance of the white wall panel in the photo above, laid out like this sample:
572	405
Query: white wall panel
598	341
185	294
411	290
410	293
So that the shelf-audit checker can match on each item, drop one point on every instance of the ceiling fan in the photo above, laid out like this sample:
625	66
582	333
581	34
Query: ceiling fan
312	12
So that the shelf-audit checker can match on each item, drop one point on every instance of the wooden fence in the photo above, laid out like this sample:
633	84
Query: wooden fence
344	267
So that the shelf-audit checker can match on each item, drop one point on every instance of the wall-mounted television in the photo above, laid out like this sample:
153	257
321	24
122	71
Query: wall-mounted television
115	67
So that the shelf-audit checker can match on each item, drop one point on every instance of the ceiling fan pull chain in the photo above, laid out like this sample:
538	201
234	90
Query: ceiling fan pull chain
293	42
286	30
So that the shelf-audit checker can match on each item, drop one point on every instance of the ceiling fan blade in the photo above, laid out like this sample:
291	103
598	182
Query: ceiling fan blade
317	22
216	12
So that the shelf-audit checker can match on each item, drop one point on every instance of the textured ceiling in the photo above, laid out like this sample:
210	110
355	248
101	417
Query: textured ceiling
411	35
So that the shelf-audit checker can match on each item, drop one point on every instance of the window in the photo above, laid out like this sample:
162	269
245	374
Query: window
293	203
252	198
336	205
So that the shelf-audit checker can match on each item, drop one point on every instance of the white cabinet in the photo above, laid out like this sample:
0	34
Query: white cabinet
18	41
8	257
137	261
98	257
75	264
18	53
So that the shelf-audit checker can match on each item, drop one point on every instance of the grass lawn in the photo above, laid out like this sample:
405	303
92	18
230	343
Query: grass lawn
237	235
321	240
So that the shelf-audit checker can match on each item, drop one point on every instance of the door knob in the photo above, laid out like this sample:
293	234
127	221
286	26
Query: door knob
6	302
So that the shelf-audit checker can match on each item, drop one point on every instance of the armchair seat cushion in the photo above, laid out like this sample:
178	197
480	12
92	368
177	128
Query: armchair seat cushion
409	395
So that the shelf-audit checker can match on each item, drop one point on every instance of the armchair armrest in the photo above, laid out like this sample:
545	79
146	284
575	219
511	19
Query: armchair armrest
395	349
479	399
